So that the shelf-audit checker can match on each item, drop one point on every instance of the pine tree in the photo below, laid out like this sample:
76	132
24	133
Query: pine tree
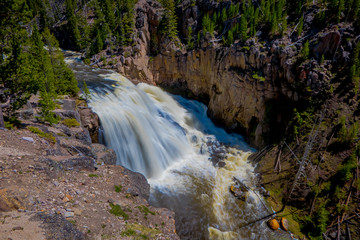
284	25
301	25
267	12
190	38
279	8
108	10
16	79
86	91
169	19
208	25
230	37
125	20
224	16
341	8
356	9
256	19
243	28
305	50
73	25
355	67
98	43
46	78
65	82
274	23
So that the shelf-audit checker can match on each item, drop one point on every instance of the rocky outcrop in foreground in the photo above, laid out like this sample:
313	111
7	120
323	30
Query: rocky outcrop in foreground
56	184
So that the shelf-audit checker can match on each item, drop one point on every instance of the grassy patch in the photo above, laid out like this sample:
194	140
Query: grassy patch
118	188
71	122
128	232
9	125
117	211
93	175
40	133
145	210
143	232
257	77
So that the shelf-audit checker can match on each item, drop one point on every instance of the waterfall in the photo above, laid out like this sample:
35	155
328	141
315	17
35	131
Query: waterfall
189	162
145	138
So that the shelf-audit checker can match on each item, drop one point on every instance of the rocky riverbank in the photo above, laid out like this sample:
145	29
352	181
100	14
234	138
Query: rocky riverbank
56	184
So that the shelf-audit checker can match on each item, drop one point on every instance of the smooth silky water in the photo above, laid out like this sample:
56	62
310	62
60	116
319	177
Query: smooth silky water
175	145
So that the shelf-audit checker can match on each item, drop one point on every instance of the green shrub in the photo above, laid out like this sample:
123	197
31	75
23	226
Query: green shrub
117	211
128	233
145	210
87	61
71	122
345	135
93	175
118	188
40	133
257	77
9	125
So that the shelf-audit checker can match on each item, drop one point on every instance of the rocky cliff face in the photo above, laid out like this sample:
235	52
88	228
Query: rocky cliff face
249	88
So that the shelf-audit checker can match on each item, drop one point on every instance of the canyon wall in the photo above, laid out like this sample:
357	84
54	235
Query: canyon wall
250	87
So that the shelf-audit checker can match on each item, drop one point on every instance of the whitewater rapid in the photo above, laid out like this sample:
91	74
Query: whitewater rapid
189	162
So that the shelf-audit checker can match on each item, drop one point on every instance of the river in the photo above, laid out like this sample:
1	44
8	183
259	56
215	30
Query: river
188	161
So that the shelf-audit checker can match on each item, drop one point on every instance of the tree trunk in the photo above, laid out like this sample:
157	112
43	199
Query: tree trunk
7	104
2	123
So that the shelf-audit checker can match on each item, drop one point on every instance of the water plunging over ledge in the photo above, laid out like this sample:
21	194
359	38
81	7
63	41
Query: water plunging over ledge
175	145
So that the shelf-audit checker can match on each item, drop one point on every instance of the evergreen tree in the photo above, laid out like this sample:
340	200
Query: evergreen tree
305	50
65	82
256	19
190	38
45	76
230	37
301	25
274	23
73	25
208	25
16	81
243	28
86	91
341	8
108	10
169	19
224	16
284	25
125	20
356	9
355	67
99	44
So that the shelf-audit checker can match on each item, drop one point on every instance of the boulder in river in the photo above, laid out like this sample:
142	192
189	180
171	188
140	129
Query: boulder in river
273	224
239	190
284	224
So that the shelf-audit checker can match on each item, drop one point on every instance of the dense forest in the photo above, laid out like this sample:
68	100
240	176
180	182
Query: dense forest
31	32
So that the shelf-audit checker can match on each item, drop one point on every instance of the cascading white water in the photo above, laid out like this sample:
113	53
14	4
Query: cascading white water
175	145
145	138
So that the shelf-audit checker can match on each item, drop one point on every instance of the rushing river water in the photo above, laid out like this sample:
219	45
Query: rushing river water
182	153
